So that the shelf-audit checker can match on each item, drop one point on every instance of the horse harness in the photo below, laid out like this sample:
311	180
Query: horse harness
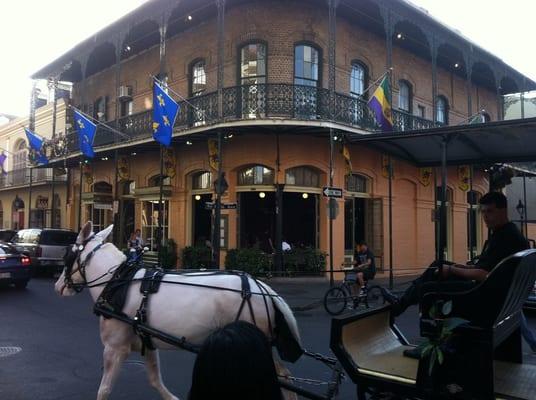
111	301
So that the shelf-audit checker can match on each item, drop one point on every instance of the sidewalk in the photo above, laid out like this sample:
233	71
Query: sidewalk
306	293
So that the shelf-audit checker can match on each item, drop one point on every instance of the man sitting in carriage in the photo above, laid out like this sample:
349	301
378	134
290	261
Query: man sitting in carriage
505	239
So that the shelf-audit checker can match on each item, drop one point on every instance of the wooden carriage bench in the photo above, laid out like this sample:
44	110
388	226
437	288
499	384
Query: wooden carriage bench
486	357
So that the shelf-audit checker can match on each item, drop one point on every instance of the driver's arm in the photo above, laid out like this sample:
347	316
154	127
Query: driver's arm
475	274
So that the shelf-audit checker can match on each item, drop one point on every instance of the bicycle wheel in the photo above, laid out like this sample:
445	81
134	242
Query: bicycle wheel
374	297
335	300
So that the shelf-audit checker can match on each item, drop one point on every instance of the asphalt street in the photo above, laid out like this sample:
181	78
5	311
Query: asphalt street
61	352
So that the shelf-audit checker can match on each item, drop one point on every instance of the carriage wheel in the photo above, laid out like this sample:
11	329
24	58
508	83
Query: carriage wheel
374	297
335	300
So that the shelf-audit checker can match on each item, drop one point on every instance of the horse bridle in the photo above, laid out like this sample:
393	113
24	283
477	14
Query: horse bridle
73	254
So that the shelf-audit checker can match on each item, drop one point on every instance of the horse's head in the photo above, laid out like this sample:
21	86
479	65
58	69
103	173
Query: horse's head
73	277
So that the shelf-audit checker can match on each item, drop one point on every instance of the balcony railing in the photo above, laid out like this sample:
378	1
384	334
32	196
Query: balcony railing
262	101
21	177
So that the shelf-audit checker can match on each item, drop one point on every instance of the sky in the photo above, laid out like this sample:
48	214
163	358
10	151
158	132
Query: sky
36	32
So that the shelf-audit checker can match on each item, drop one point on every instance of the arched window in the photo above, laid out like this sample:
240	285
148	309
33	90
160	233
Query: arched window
198	76
358	79
357	183
20	155
201	180
306	65
255	175
442	110
303	176
155	181
404	96
253	64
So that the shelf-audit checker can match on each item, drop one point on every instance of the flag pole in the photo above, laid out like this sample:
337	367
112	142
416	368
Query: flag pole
160	236
97	122
30	198
174	92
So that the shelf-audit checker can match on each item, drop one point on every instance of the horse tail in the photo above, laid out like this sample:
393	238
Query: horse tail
286	334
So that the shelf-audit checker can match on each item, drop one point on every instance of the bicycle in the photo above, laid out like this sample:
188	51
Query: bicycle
340	297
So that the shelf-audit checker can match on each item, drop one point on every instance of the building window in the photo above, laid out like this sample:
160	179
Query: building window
149	223
100	109
302	176
127	108
201	180
20	159
199	78
421	111
404	96
253	64
442	110
358	79
306	65
357	183
256	175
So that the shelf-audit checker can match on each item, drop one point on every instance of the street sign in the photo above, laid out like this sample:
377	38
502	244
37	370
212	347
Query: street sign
334	192
210	205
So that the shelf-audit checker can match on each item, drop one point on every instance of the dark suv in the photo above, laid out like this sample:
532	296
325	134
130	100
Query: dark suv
45	247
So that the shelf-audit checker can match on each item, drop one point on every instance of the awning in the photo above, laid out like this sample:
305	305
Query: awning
495	142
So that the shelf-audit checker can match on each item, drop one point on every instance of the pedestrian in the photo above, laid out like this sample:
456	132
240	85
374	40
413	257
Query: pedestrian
138	236
235	363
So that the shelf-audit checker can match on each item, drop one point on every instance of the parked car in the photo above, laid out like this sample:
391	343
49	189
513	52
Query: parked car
14	266
45	247
530	304
6	235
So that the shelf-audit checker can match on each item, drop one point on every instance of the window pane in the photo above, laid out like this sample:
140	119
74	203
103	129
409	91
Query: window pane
253	63
199	78
256	175
403	96
357	79
302	176
306	66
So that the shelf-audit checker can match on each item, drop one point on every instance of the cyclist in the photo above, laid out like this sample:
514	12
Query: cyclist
364	266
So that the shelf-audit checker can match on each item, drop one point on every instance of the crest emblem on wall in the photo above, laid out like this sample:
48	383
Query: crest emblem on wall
463	177
385	167
123	168
425	175
170	165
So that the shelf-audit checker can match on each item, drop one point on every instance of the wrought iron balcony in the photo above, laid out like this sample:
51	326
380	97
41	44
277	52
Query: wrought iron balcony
253	102
21	177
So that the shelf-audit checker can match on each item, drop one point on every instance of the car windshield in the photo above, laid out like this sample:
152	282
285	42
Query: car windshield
27	236
58	238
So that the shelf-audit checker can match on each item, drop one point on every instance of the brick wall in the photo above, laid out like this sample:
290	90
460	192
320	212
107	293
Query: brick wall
281	25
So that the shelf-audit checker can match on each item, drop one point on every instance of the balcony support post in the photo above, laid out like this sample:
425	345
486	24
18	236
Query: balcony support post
468	87
118	229
434	78
221	54
32	128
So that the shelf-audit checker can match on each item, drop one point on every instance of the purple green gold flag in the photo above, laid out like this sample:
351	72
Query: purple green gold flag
379	104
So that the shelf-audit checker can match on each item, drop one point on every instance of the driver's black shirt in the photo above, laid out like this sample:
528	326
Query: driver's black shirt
502	243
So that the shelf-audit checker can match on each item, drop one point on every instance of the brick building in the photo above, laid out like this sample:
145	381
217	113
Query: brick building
273	78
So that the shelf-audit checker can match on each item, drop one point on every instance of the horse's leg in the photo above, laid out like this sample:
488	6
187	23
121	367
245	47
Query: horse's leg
283	371
113	358
152	363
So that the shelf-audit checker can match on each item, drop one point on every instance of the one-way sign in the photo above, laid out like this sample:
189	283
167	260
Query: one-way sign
332	192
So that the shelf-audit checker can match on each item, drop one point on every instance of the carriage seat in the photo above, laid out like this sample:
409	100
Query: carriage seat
492	308
370	346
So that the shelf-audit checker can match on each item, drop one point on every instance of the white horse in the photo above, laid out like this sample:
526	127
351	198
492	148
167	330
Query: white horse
180	310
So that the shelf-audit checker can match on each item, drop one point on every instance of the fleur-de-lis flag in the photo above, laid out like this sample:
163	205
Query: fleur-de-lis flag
37	152
86	133
165	111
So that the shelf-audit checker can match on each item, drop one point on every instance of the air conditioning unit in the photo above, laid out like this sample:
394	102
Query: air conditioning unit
125	93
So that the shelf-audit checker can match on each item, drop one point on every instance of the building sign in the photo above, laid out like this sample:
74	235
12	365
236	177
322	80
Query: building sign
102	206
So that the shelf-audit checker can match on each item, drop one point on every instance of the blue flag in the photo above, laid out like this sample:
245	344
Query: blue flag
86	133
3	158
37	153
165	111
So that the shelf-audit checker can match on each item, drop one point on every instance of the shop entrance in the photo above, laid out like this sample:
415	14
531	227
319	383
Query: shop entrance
257	220
354	223
127	220
202	219
300	219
